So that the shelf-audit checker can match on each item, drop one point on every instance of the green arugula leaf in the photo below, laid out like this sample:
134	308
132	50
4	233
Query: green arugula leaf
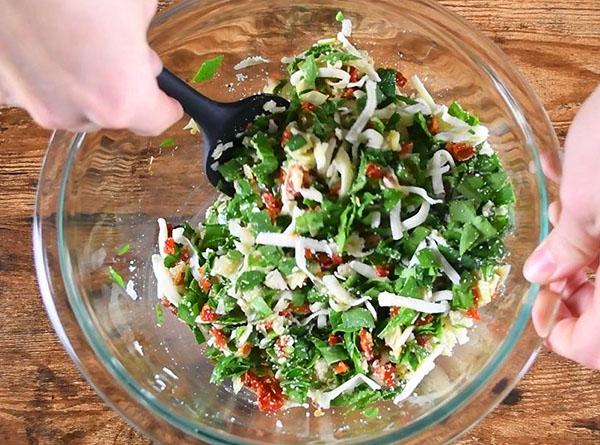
331	354
468	238
310	222
261	143
228	366
167	143
456	110
250	279
116	277
387	85
123	249
462	293
355	319
310	70
208	69
296	142
159	314
261	308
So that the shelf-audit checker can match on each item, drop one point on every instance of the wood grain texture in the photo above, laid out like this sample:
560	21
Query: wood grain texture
43	398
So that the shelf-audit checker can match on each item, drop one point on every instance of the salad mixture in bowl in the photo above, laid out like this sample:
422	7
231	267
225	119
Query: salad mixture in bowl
365	232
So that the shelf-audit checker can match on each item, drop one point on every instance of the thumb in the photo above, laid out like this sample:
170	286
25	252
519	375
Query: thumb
569	248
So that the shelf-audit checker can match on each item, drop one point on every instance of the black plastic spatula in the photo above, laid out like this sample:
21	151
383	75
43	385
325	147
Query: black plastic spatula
219	121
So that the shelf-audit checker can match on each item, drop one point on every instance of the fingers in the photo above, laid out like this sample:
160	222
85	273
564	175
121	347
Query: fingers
554	213
548	307
568	248
578	338
155	63
157	113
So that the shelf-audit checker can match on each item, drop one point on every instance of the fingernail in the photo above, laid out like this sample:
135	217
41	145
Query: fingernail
540	266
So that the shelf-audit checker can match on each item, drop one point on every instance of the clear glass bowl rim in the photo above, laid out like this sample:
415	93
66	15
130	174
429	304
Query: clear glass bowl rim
122	377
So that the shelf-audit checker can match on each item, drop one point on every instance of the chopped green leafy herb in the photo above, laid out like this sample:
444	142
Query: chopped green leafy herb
208	69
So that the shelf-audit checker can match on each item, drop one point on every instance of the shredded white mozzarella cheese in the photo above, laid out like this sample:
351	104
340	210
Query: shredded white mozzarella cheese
388	299
395	221
164	283
163	234
366	114
250	61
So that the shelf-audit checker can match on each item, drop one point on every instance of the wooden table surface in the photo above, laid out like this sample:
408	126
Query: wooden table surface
43	398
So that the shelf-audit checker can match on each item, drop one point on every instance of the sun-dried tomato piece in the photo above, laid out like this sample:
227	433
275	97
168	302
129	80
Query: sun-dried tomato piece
208	314
366	343
353	74
245	349
460	152
400	79
219	336
169	248
423	320
382	271
406	148
328	262
348	93
307	106
374	171
341	368
285	136
272	204
205	284
386	372
433	125
268	391
422	339
473	313
334	339
303	309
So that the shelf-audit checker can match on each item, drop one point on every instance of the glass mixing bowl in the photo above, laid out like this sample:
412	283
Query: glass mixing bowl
99	191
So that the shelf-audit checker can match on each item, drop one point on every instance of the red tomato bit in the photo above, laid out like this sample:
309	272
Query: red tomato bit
400	79
406	148
433	125
366	343
334	339
386	373
394	311
353	74
307	106
272	204
424	319
267	390
473	313
341	368
460	152
375	171
286	136
169	246
382	270
348	93
205	284
245	349
329	262
422	339
208	314
303	309
219	336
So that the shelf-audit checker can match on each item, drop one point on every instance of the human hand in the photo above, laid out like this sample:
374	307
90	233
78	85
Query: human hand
572	249
83	64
